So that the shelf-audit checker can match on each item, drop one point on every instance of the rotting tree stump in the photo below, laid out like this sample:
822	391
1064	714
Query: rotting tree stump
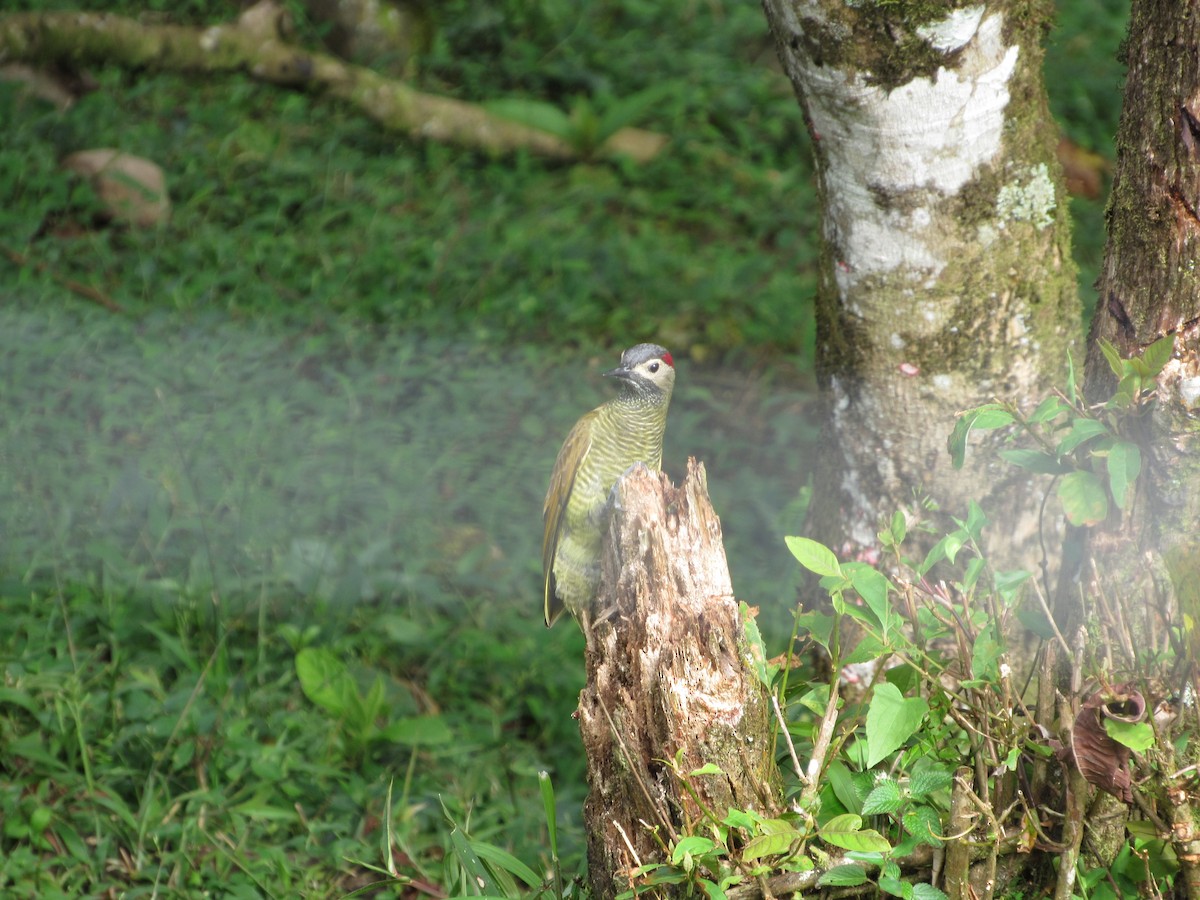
669	677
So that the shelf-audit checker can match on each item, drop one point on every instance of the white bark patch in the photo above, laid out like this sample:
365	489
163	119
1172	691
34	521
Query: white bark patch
953	31
930	135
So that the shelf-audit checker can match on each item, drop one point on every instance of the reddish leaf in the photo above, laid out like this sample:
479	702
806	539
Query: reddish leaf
1101	760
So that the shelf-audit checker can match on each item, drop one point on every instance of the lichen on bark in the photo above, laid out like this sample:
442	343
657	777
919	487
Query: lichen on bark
946	279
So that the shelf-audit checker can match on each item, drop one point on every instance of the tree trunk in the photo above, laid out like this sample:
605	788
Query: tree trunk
947	279
670	685
1150	288
1150	281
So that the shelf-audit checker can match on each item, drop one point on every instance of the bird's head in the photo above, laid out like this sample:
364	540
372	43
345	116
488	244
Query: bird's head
646	370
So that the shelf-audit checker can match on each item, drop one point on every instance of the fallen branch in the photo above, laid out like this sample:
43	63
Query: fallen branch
254	46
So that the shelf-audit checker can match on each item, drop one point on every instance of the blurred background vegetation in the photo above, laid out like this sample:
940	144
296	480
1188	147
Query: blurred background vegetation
326	419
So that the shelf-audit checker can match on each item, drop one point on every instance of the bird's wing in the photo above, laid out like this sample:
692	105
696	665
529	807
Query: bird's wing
570	458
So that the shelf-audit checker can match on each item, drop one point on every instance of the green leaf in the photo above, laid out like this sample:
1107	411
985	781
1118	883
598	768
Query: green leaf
924	824
991	416
1034	618
927	780
891	720
1008	583
952	543
629	110
1035	461
1083	498
1115	361
974	569
550	810
1124	466
1048	410
1141	828
886	798
469	860
771	844
775	826
691	846
935	555
707	769
325	680
758	650
844	788
816	699
872	586
818	625
846	831
1082	431
869	648
1072	391
927	892
533	114
740	818
1155	357
984	418
413	731
814	556
1128	389
845	875
502	859
1137	736
894	886
985	657
976	520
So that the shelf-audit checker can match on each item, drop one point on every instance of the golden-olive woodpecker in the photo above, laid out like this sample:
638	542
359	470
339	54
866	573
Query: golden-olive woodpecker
603	444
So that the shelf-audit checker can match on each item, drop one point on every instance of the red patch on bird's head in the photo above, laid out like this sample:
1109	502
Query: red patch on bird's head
666	357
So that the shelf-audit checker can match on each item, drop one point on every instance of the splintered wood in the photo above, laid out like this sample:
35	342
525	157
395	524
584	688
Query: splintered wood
669	680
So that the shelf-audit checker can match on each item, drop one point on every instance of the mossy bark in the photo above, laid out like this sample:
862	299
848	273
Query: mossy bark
1150	281
670	683
947	279
1150	288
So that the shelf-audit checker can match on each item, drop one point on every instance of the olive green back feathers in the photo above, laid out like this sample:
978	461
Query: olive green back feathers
603	444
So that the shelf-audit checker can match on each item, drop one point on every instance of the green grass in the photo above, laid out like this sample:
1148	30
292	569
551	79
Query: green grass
192	502
325	425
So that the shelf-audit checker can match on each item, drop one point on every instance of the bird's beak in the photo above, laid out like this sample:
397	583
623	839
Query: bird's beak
619	372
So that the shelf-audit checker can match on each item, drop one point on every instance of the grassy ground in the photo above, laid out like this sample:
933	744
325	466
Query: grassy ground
270	539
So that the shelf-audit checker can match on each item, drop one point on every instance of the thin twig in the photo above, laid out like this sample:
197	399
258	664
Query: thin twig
788	738
83	290
1050	618
821	745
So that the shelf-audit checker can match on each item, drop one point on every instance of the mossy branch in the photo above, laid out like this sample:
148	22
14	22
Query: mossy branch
254	45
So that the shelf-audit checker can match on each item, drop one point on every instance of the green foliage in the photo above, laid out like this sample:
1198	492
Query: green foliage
1092	451
1145	864
182	508
884	784
891	720
141	730
363	717
584	128
288	206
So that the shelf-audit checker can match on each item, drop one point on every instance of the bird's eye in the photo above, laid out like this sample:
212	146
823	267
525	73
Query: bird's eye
653	367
